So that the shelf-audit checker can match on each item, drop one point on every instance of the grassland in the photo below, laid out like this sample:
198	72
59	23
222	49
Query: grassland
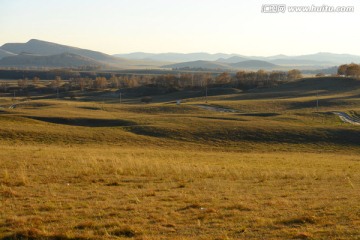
277	168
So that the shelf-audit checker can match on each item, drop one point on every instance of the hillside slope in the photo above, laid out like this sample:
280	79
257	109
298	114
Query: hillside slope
4	53
59	60
256	64
199	64
44	48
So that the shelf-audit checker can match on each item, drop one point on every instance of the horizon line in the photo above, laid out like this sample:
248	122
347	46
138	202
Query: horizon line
175	52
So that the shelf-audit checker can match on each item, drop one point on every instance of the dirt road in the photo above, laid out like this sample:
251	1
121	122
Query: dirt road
347	118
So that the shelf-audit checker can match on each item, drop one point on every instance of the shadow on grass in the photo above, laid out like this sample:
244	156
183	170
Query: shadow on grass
322	135
86	122
333	102
306	87
3	111
223	118
259	114
90	108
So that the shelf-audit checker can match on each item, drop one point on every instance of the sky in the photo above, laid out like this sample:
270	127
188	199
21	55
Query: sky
227	26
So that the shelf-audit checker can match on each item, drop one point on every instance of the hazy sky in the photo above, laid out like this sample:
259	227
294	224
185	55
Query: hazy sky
229	26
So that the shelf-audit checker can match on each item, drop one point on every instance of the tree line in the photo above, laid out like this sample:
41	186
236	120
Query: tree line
349	70
242	80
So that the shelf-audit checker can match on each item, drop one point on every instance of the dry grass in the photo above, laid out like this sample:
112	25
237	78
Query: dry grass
149	193
90	170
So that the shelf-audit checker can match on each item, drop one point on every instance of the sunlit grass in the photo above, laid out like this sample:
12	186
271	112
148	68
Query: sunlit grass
86	192
276	169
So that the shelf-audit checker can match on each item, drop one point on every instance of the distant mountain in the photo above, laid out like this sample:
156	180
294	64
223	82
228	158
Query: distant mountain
234	59
64	60
36	51
199	64
249	64
175	57
331	57
42	48
301	62
279	56
4	53
317	59
321	58
254	64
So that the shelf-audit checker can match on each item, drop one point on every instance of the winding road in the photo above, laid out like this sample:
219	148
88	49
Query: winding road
347	118
13	106
343	116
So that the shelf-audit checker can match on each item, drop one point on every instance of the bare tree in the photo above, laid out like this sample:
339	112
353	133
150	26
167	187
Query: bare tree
114	81
342	69
294	74
240	79
262	78
353	70
100	82
223	78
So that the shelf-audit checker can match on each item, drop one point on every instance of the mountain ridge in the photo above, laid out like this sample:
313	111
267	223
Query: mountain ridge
38	48
320	58
44	48
201	64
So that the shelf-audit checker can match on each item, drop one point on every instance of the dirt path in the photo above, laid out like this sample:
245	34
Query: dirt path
347	118
343	116
216	109
12	106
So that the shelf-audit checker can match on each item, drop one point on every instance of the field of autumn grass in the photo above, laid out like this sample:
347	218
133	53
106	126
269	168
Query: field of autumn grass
275	168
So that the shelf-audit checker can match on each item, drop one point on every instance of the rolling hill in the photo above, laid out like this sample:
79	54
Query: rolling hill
59	61
234	59
175	57
140	60
321	58
44	48
254	64
301	62
317	59
249	64
199	64
331	57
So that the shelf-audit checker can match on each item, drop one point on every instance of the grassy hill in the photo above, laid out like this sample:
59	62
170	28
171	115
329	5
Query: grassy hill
254	64
60	60
93	168
234	59
46	50
199	64
248	64
175	57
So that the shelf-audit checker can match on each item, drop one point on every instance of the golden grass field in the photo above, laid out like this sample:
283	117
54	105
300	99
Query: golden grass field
276	169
